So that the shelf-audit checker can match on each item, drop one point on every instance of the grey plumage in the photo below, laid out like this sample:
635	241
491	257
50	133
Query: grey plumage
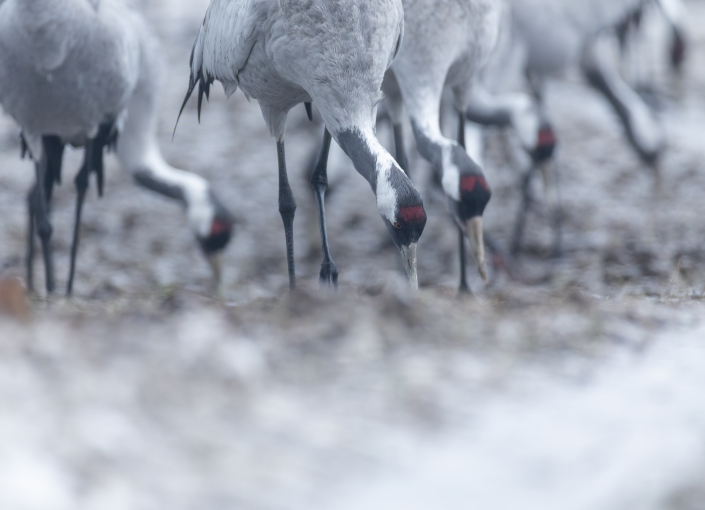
330	52
72	66
569	33
446	45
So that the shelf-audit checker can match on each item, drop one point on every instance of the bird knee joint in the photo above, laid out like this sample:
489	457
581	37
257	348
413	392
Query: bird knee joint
287	210
319	184
81	181
44	229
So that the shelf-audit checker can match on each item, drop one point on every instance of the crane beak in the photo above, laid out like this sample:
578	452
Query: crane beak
408	256
473	229
215	260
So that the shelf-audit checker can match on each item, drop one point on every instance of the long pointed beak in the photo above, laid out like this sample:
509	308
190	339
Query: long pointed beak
473	229
215	260
408	256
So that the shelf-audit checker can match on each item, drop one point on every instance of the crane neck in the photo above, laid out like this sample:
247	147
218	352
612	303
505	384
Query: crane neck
375	164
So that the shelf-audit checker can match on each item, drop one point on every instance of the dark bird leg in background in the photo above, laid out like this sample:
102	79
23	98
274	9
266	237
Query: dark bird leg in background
520	223
40	209
319	183
309	111
81	182
29	260
92	162
31	208
551	185
287	209
463	288
53	151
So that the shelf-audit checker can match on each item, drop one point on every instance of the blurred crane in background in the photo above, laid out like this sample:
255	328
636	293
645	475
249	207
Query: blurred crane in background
86	73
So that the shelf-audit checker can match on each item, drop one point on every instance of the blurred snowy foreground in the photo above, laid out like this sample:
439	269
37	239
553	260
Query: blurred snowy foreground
356	401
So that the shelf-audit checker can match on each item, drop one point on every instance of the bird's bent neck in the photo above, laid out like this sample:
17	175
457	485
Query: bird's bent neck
375	164
448	158
365	152
430	143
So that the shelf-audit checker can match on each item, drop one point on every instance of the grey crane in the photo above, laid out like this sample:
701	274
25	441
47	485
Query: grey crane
446	44
568	32
330	52
86	73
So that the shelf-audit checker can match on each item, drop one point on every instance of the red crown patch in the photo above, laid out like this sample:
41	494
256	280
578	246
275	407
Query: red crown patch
219	227
468	183
546	137
413	214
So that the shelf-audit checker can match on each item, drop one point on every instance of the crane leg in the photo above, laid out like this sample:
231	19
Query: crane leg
399	149
287	209
42	221
550	179
32	213
92	162
81	183
319	183
463	288
52	152
520	223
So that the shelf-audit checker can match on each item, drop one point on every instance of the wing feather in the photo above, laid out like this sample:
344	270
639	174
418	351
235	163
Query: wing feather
224	42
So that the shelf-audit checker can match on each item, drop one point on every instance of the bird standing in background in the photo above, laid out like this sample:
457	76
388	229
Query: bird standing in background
86	73
331	52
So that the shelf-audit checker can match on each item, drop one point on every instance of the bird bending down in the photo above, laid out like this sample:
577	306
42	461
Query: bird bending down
86	73
570	32
445	44
330	52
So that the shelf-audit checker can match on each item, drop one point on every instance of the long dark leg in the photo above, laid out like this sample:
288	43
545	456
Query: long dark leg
92	162
287	209
43	223
319	182
463	287
399	149
81	182
54	150
32	213
520	223
555	211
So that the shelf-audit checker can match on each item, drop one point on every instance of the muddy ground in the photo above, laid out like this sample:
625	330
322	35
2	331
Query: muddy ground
576	385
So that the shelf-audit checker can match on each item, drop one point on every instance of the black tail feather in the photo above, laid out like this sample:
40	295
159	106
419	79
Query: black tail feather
191	86
204	87
24	148
54	150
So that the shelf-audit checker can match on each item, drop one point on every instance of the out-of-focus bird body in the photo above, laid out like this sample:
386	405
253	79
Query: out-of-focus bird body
85	72
438	53
554	31
45	52
557	34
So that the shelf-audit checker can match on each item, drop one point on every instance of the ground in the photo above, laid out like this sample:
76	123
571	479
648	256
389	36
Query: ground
576	385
